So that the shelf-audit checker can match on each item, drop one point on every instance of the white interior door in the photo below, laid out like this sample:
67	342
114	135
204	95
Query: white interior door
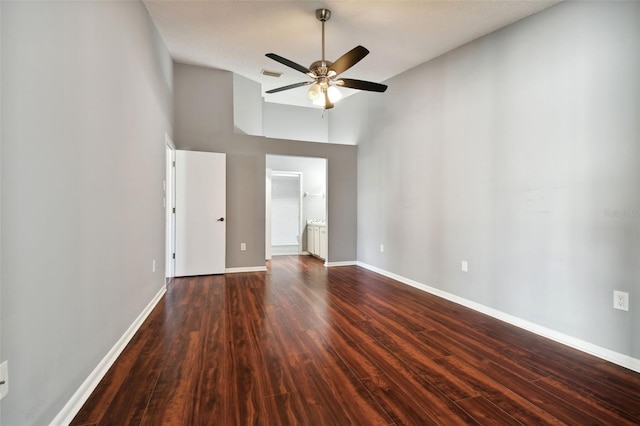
200	213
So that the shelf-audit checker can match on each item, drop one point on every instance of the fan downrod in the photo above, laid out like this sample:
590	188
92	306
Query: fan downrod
323	15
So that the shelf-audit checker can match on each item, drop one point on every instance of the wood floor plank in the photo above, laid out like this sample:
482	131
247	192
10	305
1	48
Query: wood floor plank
210	388
418	389
398	405
315	392
353	397
585	406
267	353
476	353
584	384
390	329
513	378
245	401
302	344
501	396
174	396
617	377
286	409
486	413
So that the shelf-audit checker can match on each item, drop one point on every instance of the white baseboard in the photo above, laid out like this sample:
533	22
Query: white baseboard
347	263
245	269
582	345
73	406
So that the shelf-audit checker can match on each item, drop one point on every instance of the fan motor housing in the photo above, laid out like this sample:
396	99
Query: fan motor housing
320	68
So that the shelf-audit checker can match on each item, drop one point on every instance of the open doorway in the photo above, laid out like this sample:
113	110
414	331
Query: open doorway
312	202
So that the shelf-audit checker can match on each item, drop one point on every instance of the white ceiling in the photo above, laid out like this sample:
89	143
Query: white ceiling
235	35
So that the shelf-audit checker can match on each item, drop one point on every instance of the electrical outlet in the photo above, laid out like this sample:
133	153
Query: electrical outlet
621	300
4	379
464	266
381	248
243	247
153	266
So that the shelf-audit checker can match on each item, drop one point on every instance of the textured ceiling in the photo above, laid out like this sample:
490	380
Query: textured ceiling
235	35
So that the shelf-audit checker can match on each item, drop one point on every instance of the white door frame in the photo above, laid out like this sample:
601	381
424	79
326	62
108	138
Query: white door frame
170	204
267	215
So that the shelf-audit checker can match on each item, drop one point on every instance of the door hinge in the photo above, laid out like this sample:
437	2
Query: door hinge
174	164
174	210
174	255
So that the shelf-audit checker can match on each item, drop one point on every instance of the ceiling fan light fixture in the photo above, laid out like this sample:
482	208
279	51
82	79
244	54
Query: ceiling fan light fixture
323	91
314	91
334	94
319	101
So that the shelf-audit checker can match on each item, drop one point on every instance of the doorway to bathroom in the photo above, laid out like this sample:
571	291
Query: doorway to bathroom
295	197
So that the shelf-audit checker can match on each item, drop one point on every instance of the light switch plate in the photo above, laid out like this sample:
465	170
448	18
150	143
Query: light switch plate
464	266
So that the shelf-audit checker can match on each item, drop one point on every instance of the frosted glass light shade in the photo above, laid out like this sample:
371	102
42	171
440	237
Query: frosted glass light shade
319	101
334	94
314	92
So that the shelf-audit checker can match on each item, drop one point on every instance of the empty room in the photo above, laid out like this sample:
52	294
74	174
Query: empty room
319	212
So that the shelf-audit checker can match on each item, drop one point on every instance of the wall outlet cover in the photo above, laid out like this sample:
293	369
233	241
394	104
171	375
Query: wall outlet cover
464	266
621	300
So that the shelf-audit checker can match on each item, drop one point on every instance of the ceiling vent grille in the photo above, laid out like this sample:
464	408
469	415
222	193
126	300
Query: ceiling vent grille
271	73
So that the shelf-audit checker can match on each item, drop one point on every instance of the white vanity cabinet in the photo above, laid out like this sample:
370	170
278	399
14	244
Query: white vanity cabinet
317	240
322	253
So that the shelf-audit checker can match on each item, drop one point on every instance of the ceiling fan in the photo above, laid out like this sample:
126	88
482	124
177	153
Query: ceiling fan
323	91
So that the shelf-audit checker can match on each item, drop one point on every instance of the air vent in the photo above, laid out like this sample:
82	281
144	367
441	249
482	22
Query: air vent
271	73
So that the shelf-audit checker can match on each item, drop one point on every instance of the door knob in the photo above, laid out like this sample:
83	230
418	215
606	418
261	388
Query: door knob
221	219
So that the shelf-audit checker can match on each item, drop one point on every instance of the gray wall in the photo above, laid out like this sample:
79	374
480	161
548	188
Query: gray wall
247	106
512	152
86	102
295	122
348	120
203	121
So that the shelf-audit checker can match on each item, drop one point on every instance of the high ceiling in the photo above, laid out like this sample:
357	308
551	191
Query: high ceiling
236	35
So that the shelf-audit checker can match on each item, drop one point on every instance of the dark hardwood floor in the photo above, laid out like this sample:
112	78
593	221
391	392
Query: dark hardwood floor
302	344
